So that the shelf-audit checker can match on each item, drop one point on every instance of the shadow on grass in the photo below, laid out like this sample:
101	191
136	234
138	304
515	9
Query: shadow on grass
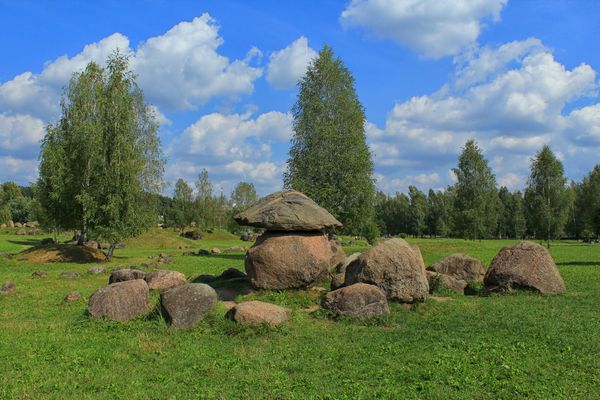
578	263
25	242
237	257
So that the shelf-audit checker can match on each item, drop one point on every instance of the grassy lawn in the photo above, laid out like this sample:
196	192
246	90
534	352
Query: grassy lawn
514	346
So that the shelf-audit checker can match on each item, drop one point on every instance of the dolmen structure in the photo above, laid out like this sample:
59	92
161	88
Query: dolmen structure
293	252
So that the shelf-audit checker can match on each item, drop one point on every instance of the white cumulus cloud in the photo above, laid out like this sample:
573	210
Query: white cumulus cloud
433	28
288	65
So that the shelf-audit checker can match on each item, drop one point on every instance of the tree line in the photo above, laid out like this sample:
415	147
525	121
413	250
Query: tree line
475	208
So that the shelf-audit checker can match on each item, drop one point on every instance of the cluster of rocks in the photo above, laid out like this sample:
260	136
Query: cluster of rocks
183	304
31	232
7	288
12	224
293	252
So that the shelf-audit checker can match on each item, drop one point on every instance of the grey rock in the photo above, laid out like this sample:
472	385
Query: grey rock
126	274
287	210
120	301
184	306
360	301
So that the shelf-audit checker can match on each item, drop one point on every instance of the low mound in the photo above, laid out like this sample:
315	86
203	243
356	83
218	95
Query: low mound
157	238
50	253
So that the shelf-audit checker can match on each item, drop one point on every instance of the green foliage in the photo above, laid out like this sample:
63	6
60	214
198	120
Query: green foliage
476	202
546	196
511	218
5	215
182	212
588	204
101	164
329	159
371	232
437	219
417	211
392	213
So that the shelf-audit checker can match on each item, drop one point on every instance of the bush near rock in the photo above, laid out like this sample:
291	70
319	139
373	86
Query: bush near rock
360	301
125	274
184	306
393	266
439	282
526	265
162	279
460	267
258	313
120	301
339	273
288	260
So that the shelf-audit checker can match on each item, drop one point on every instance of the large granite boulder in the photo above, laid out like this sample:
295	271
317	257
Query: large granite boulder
280	260
184	306
461	267
162	279
360	301
287	210
120	301
258	313
393	266
526	265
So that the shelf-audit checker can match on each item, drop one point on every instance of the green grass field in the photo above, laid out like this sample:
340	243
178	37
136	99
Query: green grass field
514	346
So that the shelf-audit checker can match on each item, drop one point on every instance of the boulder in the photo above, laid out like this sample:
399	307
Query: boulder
360	301
3	226
11	224
231	273
215	250
184	306
445	282
21	232
281	260
120	301
7	288
162	279
126	274
393	266
18	225
337	252
73	296
258	313
39	274
287	210
526	265
461	267
339	273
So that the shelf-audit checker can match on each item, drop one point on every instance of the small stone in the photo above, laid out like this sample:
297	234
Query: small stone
215	250
258	313
96	270
73	296
7	288
39	274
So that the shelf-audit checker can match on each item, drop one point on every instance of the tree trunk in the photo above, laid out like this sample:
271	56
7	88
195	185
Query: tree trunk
111	250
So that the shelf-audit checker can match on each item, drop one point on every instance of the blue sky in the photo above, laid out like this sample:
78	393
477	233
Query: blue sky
221	75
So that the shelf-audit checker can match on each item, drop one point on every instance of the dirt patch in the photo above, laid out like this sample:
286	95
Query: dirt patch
51	253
